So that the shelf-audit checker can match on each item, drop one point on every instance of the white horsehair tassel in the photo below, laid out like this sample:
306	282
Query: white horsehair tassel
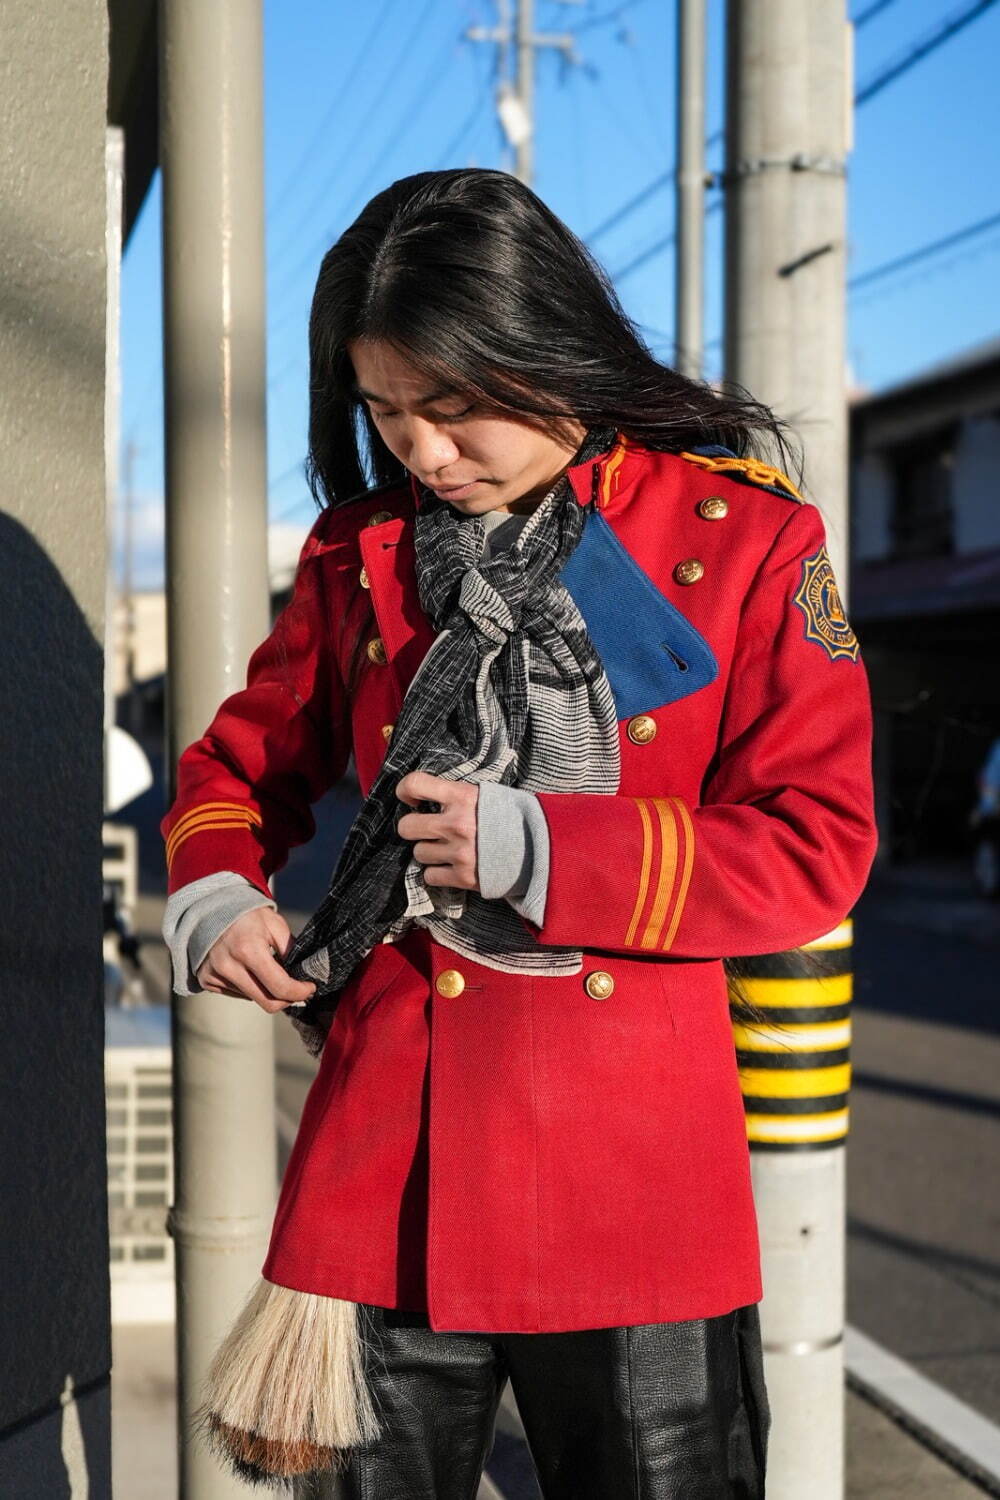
286	1393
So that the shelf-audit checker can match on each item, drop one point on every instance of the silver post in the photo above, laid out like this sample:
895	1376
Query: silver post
690	187
516	106
787	139
213	260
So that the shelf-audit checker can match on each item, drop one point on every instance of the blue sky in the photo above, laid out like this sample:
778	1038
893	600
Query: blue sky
358	95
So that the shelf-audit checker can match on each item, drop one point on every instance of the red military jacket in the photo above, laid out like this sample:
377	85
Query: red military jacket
523	1154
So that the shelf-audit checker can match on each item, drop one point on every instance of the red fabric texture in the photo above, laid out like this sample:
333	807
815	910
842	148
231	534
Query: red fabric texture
523	1157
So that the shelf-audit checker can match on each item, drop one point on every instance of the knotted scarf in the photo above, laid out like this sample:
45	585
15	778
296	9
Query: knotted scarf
512	690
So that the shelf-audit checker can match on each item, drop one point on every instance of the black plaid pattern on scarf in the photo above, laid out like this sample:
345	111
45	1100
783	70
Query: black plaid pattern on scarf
511	690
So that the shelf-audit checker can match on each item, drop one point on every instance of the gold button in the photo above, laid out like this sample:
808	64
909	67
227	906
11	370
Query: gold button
599	984
379	517
387	731
714	508
376	650
363	579
449	983
689	571
641	729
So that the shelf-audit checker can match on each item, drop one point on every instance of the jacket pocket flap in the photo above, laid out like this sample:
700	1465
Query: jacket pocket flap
651	653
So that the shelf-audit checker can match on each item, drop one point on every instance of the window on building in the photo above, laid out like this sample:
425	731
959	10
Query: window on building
922	510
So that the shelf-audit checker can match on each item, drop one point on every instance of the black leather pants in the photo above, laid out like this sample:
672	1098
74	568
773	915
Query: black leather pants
649	1412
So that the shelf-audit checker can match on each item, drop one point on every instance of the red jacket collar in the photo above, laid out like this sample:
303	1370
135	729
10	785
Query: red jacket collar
601	478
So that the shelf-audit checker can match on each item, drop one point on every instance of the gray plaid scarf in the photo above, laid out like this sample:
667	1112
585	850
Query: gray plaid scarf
512	690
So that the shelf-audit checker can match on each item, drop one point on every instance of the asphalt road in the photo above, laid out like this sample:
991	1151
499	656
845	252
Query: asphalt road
923	1186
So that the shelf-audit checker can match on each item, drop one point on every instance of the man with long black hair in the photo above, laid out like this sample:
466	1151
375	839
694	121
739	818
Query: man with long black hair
611	728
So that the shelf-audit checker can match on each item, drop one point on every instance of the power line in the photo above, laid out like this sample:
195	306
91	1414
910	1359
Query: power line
321	130
451	150
922	252
923	49
414	103
649	191
417	99
607	18
664	179
871	13
330	181
656	249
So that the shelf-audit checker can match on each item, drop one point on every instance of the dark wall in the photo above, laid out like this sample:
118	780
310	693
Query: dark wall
54	1287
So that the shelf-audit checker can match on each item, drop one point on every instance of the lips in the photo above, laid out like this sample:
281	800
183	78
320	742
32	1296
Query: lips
453	489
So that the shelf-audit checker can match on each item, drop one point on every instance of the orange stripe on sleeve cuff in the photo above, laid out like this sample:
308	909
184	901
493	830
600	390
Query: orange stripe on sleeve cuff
210	815
664	870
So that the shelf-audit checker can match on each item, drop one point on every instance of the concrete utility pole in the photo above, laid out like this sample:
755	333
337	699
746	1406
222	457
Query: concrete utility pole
787	136
788	132
690	188
516	102
218	612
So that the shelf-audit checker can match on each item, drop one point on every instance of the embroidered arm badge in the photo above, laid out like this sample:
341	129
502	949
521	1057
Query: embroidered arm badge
819	600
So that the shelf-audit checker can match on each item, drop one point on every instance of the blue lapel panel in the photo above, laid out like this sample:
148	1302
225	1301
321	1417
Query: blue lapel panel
651	653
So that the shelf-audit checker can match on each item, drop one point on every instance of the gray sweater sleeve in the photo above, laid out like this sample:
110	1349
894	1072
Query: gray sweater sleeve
512	848
198	914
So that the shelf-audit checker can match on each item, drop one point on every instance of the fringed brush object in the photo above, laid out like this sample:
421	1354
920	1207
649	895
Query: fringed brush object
286	1394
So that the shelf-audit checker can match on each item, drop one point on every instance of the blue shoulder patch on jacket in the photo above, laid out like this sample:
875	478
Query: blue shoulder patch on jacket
651	653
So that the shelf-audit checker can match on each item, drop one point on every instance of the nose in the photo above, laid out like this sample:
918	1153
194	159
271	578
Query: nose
430	448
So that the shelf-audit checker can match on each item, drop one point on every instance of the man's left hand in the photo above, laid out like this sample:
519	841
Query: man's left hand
446	840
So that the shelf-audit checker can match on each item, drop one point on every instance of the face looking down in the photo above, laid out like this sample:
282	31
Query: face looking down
476	460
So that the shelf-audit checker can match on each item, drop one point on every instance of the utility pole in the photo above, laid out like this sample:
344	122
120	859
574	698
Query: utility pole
787	138
211	130
690	188
515	35
128	588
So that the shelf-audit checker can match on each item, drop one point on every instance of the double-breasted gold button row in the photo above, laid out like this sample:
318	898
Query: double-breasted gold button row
692	569
599	984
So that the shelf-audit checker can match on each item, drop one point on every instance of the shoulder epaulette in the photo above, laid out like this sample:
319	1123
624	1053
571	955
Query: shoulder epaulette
746	470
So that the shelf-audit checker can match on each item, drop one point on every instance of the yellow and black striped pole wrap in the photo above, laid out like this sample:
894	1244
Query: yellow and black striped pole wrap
794	1054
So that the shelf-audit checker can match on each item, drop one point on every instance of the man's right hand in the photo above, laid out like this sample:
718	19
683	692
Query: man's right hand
241	962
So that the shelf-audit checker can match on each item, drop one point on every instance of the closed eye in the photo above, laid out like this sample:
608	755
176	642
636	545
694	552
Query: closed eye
452	416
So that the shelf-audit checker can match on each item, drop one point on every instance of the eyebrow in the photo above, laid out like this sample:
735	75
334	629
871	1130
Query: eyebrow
422	400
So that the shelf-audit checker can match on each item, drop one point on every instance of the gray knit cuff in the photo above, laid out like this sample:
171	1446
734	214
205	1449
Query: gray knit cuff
512	849
198	914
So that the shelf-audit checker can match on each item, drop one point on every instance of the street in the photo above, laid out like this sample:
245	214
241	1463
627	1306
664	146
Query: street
923	1202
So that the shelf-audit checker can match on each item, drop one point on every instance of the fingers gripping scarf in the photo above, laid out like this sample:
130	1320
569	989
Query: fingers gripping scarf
512	690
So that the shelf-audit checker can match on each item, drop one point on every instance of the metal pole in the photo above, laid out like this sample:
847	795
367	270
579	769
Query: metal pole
218	611
787	139
128	592
690	187
525	53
